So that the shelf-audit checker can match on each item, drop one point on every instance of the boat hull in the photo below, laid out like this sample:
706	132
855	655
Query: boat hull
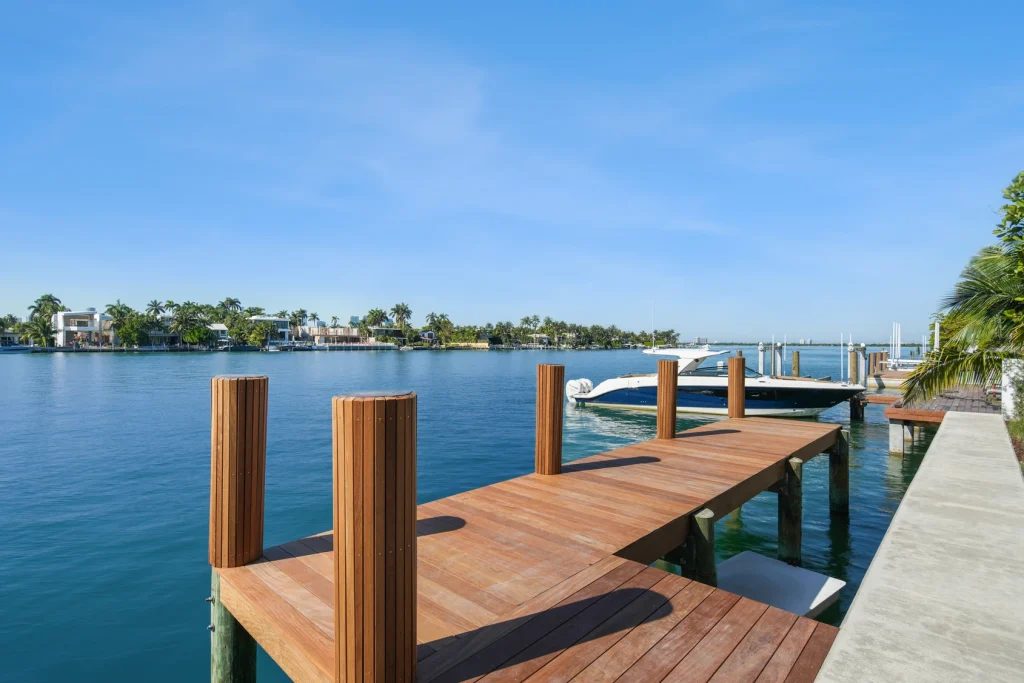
713	400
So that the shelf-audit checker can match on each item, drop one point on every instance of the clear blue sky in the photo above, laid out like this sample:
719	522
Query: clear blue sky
747	167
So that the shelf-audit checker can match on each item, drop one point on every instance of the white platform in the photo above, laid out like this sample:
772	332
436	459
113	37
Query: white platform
778	584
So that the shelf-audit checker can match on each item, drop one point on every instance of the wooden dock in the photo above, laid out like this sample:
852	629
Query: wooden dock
544	576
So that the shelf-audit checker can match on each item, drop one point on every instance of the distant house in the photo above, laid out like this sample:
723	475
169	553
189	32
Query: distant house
86	326
427	335
283	324
220	331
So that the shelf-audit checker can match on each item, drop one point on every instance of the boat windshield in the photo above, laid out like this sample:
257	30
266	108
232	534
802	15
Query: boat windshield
717	371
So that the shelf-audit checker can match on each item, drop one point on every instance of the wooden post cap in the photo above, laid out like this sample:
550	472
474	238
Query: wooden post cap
374	460
668	398
550	399
238	458
737	387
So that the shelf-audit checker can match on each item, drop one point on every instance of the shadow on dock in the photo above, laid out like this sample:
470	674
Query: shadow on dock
439	525
604	464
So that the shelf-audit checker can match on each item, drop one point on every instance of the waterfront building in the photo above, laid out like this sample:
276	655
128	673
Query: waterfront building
220	332
87	326
283	325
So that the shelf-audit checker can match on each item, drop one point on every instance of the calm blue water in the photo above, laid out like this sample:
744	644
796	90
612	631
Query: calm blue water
105	465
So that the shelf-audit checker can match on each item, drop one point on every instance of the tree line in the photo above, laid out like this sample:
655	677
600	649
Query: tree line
190	321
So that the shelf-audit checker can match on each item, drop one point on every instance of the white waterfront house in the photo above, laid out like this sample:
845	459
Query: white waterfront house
220	331
88	326
283	325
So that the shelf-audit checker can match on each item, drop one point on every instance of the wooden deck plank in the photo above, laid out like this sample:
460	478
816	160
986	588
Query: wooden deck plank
805	670
521	579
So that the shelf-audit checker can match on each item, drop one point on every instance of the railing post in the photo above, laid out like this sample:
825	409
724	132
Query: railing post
238	456
839	475
796	364
736	397
374	536
668	393
791	510
550	398
702	531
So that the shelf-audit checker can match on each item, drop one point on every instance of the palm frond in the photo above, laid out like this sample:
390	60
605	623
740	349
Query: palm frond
953	366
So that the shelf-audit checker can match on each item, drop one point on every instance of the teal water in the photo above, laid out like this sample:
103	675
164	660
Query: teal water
104	484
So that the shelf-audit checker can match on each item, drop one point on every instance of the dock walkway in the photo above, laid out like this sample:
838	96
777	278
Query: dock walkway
942	598
546	576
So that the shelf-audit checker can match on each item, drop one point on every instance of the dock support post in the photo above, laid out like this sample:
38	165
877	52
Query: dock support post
777	366
232	649
736	396
796	364
857	404
760	358
895	437
238	457
873	363
839	475
862	366
702	531
668	393
550	392
374	477
854	372
791	512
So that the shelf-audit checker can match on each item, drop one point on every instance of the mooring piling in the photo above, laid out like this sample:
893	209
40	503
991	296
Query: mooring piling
795	364
760	358
548	448
736	394
375	579
839	475
791	512
702	533
668	393
238	453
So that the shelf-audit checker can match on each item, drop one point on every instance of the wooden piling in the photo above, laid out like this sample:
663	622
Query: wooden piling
796	364
702	533
839	475
791	512
857	407
668	393
548	448
854	370
739	353
238	456
375	536
232	649
873	363
736	397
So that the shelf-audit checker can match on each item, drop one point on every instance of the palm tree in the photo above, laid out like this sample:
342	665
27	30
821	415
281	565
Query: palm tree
431	318
170	305
281	314
231	304
8	322
119	314
984	313
401	313
377	317
298	317
46	305
334	321
39	329
314	317
155	308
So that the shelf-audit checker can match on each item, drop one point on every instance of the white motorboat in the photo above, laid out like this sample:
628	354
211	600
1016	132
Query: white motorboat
705	389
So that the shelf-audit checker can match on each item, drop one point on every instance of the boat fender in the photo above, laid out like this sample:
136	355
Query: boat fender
575	387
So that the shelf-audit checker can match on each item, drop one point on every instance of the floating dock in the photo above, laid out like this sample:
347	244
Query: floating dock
544	576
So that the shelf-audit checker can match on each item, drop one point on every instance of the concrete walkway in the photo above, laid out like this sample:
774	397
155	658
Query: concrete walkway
943	599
